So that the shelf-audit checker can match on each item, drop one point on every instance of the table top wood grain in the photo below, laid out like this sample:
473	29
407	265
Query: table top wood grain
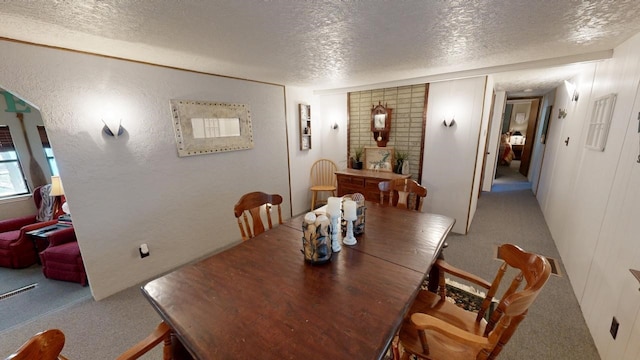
260	299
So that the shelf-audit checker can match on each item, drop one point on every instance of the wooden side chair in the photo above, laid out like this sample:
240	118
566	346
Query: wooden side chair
402	193
323	179
45	345
172	348
253	203
48	344
439	329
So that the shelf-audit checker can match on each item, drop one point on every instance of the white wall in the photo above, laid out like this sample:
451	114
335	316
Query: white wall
494	140
590	200
537	153
481	151
135	189
450	152
334	109
326	142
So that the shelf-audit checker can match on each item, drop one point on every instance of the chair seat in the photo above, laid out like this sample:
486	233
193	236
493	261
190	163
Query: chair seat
8	237
64	262
323	188
437	329
431	304
67	253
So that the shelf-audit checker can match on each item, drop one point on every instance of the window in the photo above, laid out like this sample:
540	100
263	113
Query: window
600	121
48	153
12	181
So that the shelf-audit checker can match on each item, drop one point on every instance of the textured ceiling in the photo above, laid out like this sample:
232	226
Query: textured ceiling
329	44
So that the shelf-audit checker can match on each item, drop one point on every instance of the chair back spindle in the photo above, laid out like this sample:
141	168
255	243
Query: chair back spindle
402	193
323	179
253	205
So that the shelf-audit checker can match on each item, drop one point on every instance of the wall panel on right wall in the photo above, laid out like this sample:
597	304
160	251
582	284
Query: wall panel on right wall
591	202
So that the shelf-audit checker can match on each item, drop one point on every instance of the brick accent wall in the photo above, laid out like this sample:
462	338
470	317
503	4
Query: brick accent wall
407	121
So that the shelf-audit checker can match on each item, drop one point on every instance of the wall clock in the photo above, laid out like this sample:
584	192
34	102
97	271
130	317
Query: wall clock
381	123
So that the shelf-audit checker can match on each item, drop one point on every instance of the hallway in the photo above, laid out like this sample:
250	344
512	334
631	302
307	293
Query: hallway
509	179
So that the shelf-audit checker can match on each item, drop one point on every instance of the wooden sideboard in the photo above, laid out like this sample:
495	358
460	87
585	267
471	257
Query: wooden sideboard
364	181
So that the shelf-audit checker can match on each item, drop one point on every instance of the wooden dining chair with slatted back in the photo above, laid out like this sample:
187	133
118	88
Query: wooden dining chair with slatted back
438	329
255	204
45	345
402	193
48	344
172	348
323	179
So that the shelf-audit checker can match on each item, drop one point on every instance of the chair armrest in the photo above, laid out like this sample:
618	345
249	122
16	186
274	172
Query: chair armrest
16	223
448	268
427	322
160	334
36	226
62	237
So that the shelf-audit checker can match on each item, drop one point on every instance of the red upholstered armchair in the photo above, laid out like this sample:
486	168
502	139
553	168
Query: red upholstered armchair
16	249
62	259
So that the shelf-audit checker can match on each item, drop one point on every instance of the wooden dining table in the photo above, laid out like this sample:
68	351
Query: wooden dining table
260	300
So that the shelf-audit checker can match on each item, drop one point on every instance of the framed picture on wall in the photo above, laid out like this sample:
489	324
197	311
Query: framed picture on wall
304	111
378	158
207	127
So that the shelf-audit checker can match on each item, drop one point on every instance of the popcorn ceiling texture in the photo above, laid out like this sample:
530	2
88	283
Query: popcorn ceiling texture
325	44
407	119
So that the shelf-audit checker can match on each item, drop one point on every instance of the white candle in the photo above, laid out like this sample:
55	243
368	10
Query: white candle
333	206
350	210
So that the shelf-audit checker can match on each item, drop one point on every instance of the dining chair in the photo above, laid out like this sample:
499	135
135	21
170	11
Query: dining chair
172	348
45	345
48	344
323	179
252	204
438	329
402	193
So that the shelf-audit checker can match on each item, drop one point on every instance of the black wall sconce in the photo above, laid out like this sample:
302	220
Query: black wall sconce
449	123
111	129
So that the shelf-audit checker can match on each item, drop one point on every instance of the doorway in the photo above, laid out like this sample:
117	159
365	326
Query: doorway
27	161
517	131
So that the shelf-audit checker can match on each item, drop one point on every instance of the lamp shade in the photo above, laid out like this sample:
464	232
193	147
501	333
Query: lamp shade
56	186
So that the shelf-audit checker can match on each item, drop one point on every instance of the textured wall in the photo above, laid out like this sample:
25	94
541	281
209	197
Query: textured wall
450	153
407	120
135	189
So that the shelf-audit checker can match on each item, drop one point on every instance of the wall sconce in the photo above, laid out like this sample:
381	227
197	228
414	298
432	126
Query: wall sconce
572	91
575	96
112	128
449	123
562	113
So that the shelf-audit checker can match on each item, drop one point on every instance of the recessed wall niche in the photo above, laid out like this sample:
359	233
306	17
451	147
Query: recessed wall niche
407	128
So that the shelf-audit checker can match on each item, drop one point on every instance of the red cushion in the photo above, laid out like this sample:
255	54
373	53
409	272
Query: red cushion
8	237
64	253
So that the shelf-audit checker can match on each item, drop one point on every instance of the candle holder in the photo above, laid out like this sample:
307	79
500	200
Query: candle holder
358	226
315	239
335	226
333	212
350	216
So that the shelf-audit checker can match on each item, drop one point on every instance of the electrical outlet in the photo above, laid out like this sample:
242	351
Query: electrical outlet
144	250
614	327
